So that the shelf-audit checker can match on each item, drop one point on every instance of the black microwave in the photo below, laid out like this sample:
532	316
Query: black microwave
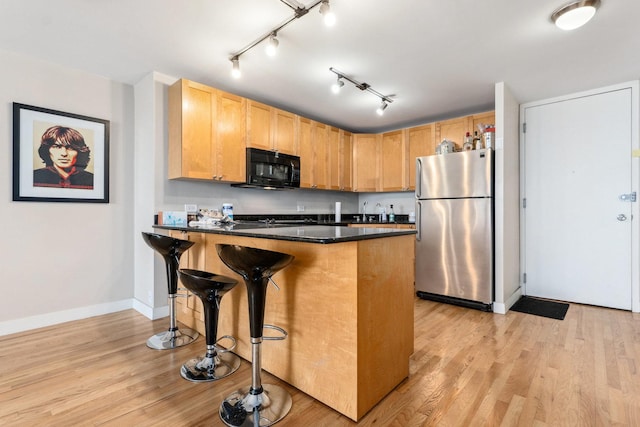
272	170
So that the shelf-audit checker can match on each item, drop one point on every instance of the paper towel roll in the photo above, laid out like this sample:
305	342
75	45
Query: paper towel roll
338	211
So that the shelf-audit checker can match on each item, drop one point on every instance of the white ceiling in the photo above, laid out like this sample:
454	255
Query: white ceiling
438	58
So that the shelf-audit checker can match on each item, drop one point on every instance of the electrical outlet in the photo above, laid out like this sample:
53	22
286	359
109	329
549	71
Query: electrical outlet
300	208
191	208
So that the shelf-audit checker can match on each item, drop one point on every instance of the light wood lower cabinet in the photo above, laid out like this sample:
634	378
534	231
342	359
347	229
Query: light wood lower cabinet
348	309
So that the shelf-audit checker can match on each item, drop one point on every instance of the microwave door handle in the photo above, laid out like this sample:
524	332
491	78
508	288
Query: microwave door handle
293	170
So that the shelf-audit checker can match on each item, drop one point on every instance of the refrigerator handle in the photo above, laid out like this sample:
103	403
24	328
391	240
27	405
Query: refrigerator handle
419	221
418	176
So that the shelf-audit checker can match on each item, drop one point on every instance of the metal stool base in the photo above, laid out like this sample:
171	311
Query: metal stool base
205	369
172	339
272	405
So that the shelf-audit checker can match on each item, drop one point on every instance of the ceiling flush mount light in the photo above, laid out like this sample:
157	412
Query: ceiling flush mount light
575	15
386	99
272	43
329	17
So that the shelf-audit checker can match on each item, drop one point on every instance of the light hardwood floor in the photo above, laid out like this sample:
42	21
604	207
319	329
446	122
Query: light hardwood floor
469	369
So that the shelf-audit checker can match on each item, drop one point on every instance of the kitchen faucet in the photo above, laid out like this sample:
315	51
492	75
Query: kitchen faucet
364	211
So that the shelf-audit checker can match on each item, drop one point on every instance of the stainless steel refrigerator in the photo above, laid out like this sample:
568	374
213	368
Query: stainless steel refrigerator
454	219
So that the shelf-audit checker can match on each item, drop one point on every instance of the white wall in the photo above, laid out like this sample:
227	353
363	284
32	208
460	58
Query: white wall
64	261
507	194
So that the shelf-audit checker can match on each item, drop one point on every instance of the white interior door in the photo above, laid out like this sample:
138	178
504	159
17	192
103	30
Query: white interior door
577	232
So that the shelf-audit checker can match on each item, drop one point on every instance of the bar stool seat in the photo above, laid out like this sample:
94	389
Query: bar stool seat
218	362
259	404
171	249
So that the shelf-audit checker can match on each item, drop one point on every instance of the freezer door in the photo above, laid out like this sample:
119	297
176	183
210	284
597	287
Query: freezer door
454	248
462	174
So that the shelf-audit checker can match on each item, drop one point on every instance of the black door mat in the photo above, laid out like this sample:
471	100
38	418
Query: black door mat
541	307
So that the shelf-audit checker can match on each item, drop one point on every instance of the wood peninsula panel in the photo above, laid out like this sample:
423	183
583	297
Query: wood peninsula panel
348	309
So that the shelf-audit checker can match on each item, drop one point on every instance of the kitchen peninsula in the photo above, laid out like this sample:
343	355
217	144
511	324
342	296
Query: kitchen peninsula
346	302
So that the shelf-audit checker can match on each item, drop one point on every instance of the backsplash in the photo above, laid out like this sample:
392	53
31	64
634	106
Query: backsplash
250	201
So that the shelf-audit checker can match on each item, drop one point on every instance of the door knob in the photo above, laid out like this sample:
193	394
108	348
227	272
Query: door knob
622	217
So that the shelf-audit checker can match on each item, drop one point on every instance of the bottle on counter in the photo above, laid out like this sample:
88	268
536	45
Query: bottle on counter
392	215
227	209
383	214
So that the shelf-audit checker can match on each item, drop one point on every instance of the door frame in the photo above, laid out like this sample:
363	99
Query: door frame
635	180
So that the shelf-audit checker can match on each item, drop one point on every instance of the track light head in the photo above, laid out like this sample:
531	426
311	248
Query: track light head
335	88
381	108
329	17
235	70
272	45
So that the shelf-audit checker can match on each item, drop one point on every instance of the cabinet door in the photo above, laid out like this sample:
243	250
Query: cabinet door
454	130
258	125
334	181
365	162
192	112
305	151
346	161
230	140
488	118
421	142
320	141
392	161
284	132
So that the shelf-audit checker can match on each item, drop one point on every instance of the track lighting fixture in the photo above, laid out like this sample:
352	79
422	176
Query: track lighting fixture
335	88
386	99
235	70
575	15
381	108
329	17
272	45
299	12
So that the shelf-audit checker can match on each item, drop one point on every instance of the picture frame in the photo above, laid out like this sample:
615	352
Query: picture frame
59	156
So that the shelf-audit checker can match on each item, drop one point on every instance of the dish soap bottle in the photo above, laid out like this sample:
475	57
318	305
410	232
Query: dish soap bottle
392	215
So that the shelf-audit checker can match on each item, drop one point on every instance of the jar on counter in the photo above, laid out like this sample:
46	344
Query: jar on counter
227	209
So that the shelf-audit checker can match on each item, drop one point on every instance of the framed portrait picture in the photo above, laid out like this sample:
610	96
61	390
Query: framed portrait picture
59	157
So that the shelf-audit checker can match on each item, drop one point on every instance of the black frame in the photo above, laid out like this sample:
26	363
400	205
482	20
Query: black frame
27	121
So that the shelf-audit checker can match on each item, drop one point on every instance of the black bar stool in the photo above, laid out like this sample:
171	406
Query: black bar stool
260	404
171	250
218	361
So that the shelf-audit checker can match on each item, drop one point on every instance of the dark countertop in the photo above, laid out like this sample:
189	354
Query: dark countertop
303	233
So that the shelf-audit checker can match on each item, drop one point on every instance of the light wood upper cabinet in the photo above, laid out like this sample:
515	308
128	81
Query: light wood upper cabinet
456	129
270	128
420	142
259	133
365	162
230	138
320	140
284	132
305	150
346	161
313	150
393	161
205	123
488	118
334	159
